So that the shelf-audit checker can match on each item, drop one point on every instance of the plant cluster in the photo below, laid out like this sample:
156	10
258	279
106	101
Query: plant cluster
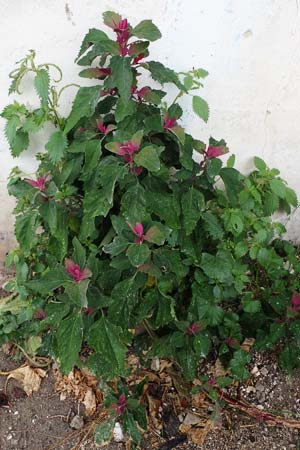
126	241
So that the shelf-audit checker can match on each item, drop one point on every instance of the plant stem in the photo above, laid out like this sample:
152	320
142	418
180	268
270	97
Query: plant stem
149	329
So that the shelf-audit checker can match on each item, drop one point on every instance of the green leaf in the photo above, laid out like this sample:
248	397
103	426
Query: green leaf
165	311
130	426
152	96
35	121
110	171
146	30
291	197
213	167
121	76
49	213
238	363
52	279
138	47
232	180
91	38
124	298
14	306
77	292
165	206
124	108
41	84
211	313
148	158
234	221
251	306
153	123
188	363
21	143
271	203
212	225
95	204
25	228
188	82
175	110
33	344
218	267
202	345
100	48
55	312
138	254
104	431
56	146
164	75
157	234
289	357
92	155
171	261
105	338
111	19
84	105
11	128
79	254
241	249
259	163
117	246
200	73
201	108
278	187
230	161
134	204
192	204
69	340
179	132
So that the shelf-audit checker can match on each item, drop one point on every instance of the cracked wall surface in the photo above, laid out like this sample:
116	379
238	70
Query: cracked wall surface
250	48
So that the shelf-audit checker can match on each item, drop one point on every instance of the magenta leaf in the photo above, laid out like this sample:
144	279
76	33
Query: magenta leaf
215	152
40	183
295	302
169	122
95	72
75	271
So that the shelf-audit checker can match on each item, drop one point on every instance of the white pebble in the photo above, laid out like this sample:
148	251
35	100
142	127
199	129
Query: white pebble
118	433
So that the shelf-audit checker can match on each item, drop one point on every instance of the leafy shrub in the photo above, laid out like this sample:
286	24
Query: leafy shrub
122	230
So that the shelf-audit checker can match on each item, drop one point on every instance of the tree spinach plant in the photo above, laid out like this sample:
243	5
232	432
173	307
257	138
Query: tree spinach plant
125	240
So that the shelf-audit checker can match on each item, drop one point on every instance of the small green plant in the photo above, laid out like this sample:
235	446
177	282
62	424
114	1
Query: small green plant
122	229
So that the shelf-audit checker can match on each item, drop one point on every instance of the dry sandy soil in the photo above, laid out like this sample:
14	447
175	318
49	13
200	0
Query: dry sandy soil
41	422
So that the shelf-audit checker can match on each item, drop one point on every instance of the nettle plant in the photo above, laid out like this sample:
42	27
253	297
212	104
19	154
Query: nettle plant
125	241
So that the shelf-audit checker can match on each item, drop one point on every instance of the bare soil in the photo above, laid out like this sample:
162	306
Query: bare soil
41	422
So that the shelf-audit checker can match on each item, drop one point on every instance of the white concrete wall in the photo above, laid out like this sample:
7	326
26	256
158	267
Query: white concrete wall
250	47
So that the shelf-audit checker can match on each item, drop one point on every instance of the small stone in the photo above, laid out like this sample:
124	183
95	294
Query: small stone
191	419
77	422
9	437
155	364
118	433
264	371
250	389
260	387
255	371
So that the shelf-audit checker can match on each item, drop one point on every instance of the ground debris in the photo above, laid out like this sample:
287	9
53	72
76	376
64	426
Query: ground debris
29	377
81	385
